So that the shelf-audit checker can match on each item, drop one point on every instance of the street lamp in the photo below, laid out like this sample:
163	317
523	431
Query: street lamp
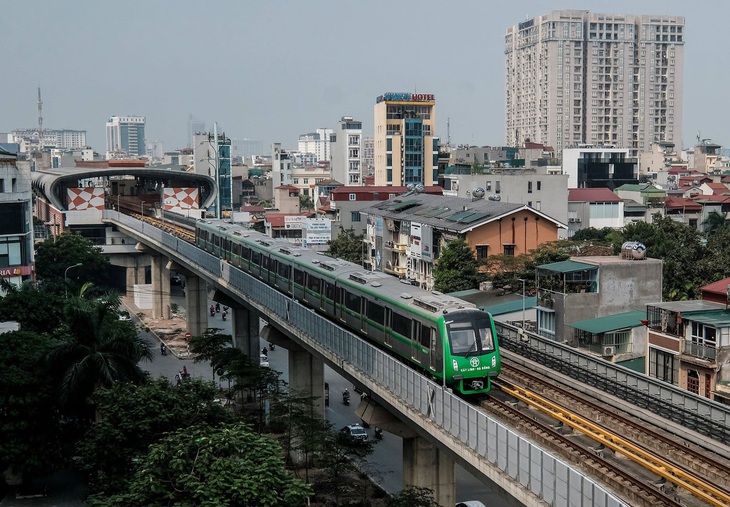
65	276
523	302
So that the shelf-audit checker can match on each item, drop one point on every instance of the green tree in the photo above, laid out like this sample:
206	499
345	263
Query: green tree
593	234
37	311
305	202
133	417
29	422
681	249
341	457
412	497
97	350
210	466
457	269
716	222
55	255
347	246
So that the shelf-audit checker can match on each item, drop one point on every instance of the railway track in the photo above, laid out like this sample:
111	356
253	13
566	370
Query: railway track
177	230
691	471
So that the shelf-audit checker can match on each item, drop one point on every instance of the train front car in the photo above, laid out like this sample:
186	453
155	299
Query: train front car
472	351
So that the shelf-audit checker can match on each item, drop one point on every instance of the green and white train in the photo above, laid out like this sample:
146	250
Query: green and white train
445	337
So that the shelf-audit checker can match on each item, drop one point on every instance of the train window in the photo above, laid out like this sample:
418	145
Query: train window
216	240
256	257
329	291
264	262
273	265
352	302
284	270
245	252
298	277
401	324
313	283
426	336
236	250
375	312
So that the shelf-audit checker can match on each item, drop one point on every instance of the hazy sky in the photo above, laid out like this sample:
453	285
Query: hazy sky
270	70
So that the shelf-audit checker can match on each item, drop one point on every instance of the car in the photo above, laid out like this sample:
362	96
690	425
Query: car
355	431
264	361
470	503
176	279
124	316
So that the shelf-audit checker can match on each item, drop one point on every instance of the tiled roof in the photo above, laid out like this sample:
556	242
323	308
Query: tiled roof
718	188
592	195
683	203
718	287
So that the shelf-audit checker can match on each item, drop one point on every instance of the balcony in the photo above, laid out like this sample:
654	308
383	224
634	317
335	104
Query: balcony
706	352
396	247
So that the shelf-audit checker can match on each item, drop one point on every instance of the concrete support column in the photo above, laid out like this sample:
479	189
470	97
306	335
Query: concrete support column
425	466
306	376
245	323
135	273
196	304
160	288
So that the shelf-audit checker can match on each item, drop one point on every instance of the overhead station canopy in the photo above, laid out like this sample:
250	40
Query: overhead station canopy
52	184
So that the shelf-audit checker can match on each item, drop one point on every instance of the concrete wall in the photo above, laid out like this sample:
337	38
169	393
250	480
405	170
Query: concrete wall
525	229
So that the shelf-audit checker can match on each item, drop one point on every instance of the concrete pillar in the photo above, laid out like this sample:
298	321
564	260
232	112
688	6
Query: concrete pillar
306	376
245	322
196	304
135	272
425	466
160	288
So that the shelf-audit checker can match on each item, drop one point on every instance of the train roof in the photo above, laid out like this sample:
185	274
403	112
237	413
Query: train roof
376	283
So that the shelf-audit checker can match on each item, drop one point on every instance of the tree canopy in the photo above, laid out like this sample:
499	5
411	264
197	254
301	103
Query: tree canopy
347	246
210	466
55	255
36	310
457	269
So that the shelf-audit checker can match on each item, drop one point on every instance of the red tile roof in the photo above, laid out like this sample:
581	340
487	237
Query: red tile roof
718	287
681	203
592	195
288	187
718	188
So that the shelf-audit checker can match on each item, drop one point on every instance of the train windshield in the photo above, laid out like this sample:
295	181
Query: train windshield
471	337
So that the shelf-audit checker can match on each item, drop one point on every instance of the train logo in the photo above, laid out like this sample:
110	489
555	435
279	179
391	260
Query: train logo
474	362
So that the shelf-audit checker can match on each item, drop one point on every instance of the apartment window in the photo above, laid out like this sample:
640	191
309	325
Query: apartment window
539	185
353	197
661	366
509	250
482	251
546	323
355	216
296	181
529	187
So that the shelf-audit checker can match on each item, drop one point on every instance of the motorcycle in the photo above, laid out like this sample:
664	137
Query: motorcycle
378	433
272	346
224	315
212	311
345	397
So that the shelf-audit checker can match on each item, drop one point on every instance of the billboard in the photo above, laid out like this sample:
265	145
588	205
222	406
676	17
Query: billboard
415	240
427	242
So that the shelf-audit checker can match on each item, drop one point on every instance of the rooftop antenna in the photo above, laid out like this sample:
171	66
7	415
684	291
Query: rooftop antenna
40	120
448	132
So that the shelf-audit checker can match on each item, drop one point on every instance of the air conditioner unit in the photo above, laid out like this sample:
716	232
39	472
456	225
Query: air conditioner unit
608	351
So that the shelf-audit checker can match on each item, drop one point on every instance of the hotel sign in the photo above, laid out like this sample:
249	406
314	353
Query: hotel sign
406	97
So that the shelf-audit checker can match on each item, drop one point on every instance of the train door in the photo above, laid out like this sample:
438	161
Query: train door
415	345
340	310
436	351
387	336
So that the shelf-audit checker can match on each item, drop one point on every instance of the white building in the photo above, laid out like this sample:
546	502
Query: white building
579	77
125	136
347	152
281	166
58	138
317	143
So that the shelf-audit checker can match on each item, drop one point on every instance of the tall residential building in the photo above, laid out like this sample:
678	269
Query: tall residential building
125	136
317	143
216	164
406	150
346	146
576	77
368	155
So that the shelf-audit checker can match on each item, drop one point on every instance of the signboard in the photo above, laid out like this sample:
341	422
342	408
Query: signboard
15	271
415	240
318	238
406	97
319	225
427	243
294	222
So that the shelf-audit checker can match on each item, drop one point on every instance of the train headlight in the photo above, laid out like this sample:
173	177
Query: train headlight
494	361
455	365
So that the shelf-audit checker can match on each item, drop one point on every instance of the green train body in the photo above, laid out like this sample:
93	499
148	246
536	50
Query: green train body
434	332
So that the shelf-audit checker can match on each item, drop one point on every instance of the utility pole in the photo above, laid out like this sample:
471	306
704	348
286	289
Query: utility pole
40	121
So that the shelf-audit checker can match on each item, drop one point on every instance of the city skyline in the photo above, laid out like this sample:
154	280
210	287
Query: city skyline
278	73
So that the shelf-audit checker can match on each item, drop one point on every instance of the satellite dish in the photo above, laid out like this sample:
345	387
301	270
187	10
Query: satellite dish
419	188
478	192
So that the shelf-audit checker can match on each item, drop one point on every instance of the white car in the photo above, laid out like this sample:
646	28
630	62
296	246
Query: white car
470	503
264	361
124	316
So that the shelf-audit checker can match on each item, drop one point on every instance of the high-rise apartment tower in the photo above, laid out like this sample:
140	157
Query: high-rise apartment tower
125	136
576	78
406	150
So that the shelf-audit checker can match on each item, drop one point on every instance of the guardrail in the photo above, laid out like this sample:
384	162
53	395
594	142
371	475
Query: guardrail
677	405
462	425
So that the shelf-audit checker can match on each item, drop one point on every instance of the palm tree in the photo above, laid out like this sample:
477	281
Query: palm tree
715	222
98	349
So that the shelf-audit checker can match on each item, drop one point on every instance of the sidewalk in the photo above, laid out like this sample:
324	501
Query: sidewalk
171	332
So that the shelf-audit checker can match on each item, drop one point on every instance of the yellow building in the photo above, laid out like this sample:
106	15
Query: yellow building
406	150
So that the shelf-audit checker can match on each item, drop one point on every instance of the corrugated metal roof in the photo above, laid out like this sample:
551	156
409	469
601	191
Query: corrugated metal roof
511	306
716	318
611	322
566	267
